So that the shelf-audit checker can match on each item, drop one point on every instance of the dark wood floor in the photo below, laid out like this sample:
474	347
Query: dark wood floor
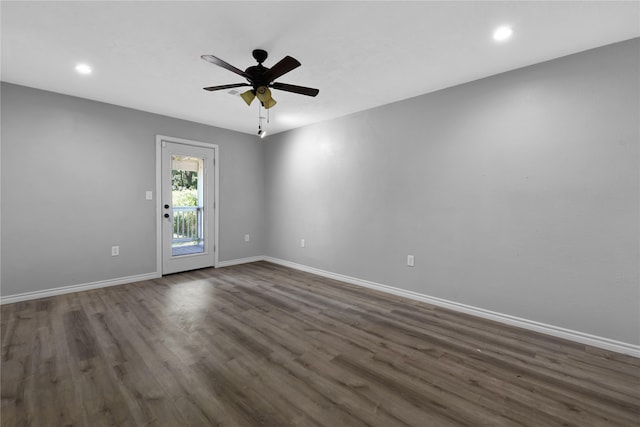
263	345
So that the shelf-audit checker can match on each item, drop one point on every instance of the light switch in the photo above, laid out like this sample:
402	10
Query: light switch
149	195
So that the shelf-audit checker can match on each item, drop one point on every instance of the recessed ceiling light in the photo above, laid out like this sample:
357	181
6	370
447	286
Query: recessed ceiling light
83	69
502	33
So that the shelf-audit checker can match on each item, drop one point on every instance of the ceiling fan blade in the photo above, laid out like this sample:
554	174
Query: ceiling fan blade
296	89
212	88
285	65
220	63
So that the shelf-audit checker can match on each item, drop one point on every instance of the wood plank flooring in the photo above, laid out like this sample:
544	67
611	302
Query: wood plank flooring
262	345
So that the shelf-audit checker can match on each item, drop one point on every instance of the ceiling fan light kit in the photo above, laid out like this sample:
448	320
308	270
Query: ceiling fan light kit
248	96
260	79
264	95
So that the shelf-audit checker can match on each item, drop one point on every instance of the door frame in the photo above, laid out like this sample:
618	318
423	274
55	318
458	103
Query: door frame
216	193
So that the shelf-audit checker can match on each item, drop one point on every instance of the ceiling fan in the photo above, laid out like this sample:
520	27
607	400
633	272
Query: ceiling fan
261	78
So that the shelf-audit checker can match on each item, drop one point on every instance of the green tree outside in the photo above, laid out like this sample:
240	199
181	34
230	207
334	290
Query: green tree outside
184	188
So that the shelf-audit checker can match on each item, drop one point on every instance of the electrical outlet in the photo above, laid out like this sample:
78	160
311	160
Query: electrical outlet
302	243
247	238
115	250
410	260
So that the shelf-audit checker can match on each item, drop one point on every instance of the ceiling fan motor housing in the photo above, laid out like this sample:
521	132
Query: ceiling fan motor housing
257	72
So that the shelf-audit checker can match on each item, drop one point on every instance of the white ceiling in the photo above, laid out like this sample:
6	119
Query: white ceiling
146	55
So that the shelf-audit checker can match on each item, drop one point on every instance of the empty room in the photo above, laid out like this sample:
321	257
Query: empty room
299	213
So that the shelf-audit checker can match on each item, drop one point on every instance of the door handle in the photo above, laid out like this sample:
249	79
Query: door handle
166	206
166	215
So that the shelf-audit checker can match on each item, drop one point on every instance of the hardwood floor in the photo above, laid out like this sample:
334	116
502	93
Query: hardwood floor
263	345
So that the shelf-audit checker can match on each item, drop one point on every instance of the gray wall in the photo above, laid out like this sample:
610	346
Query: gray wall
74	175
518	193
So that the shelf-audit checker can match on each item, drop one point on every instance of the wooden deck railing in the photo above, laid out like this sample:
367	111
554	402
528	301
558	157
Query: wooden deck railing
187	224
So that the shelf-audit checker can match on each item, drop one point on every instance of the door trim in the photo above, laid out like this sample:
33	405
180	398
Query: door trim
216	192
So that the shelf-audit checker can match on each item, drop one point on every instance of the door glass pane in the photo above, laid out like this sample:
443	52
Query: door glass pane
187	202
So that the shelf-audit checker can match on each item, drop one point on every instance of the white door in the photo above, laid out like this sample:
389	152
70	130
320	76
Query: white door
187	206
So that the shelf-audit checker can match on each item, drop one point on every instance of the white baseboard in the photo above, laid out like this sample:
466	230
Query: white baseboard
77	288
247	260
105	283
580	337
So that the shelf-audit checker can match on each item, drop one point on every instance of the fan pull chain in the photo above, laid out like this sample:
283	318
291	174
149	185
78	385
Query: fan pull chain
261	132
